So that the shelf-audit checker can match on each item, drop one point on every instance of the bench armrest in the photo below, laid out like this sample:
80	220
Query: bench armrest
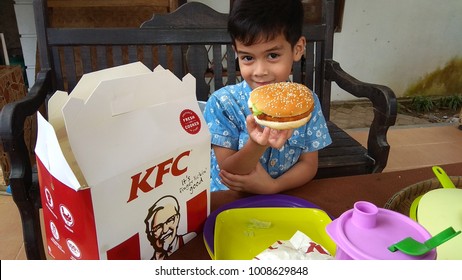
385	109
13	115
24	189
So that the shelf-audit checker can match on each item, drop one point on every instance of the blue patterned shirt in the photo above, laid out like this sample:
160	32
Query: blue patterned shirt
225	114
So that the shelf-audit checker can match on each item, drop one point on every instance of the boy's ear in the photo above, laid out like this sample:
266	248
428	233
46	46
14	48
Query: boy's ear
299	48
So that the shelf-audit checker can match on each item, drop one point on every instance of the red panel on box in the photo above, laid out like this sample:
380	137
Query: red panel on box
197	211
68	219
127	250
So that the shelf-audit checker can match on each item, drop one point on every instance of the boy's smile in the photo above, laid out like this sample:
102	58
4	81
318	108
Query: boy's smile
268	61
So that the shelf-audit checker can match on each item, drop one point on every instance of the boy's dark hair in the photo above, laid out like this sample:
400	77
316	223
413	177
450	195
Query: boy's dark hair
252	21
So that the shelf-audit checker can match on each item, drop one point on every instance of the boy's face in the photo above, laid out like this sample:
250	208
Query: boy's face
268	61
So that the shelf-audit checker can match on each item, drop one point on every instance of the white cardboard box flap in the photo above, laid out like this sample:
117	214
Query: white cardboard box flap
97	123
48	150
119	108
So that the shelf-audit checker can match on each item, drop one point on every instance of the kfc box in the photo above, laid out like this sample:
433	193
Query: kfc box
124	165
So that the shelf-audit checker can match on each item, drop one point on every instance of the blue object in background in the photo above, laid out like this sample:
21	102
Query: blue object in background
8	189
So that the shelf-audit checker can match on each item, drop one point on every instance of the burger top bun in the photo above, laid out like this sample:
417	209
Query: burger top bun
285	99
284	105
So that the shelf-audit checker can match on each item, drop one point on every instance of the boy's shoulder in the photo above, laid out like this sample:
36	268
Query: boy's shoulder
241	88
230	96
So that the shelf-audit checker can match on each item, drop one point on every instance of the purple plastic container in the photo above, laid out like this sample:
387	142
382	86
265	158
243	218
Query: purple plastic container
365	233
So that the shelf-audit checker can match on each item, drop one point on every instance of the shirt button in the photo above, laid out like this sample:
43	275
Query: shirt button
273	162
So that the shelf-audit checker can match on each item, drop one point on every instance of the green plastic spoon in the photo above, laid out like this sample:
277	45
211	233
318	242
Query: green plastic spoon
413	247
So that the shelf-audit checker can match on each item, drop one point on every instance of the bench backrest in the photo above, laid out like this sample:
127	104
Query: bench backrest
193	39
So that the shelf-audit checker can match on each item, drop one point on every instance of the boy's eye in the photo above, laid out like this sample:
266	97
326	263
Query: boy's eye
273	55
246	58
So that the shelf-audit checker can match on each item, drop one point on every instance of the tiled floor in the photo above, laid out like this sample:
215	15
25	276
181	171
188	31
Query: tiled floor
418	146
412	146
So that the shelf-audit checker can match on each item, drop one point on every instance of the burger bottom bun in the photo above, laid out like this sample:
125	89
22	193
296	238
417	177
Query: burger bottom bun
283	125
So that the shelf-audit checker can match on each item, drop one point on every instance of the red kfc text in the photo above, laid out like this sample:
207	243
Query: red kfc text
169	166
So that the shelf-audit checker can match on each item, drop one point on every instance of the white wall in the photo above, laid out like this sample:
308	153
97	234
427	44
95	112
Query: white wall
221	6
393	42
26	27
396	42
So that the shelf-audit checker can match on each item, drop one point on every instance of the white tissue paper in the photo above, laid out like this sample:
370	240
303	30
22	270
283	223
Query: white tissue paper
299	247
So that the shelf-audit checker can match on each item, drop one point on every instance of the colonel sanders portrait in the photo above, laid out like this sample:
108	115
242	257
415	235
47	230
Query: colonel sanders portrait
162	227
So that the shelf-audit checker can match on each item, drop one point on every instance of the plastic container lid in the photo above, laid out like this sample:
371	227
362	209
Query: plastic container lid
365	232
445	203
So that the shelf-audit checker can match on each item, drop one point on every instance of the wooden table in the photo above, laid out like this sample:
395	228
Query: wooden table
334	195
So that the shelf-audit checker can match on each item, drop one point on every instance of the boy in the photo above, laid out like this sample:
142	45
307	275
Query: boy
246	157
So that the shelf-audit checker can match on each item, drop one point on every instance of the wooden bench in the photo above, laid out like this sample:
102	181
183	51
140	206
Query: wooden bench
193	39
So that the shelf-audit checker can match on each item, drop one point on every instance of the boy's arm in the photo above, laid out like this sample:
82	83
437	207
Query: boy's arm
240	162
301	173
260	182
245	160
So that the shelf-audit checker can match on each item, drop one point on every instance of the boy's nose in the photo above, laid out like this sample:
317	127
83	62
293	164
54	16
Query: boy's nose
260	69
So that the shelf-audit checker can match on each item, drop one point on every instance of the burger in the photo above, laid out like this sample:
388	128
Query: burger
284	105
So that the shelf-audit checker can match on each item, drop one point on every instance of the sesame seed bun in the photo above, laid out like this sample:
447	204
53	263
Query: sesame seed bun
284	105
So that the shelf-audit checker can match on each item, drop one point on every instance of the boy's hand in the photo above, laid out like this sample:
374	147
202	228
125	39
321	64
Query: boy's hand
258	181
267	136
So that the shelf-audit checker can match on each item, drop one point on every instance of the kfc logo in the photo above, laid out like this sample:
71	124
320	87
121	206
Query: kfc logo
49	198
75	251
172	166
66	215
54	230
162	227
